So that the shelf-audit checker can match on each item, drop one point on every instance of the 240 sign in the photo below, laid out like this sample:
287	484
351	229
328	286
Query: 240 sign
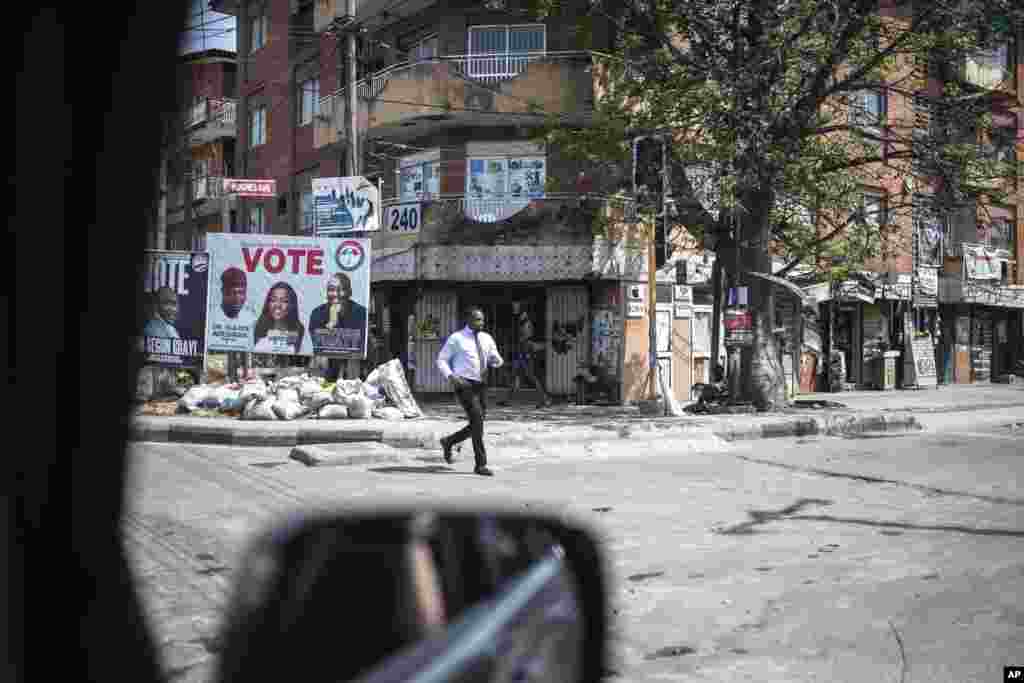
404	218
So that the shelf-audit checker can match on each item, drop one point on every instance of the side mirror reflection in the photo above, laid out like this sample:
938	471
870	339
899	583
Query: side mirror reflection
424	595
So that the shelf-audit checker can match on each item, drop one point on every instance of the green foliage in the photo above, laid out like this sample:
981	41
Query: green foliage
760	93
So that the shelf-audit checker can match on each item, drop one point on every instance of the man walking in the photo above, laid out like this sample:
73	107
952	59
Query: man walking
464	360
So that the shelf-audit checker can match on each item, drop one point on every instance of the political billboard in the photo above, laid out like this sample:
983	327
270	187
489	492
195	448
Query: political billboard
288	295
175	284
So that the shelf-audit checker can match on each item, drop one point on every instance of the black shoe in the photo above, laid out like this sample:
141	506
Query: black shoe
447	450
483	471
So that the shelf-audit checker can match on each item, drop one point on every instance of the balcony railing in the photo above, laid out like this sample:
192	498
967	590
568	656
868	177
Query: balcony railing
990	69
495	208
213	110
207	187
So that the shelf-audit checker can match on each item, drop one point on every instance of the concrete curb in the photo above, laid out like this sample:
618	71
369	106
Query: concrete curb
403	435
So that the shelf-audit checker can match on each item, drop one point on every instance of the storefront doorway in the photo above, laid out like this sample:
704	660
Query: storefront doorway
502	306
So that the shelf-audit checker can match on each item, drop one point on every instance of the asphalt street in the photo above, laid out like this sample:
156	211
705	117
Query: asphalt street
891	558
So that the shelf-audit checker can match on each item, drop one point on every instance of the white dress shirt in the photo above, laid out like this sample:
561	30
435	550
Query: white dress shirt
459	355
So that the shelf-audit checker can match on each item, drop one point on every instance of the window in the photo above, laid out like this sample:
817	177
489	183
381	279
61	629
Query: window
308	215
424	49
503	51
258	36
867	108
989	68
997	234
309	101
257	126
873	210
419	177
199	241
257	220
868	112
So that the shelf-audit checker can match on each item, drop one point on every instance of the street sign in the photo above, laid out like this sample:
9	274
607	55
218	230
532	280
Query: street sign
404	218
250	188
345	204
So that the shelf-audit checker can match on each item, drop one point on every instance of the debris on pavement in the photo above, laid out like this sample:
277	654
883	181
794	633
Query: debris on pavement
384	395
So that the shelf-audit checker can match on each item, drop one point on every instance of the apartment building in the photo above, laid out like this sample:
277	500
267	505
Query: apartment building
475	211
199	153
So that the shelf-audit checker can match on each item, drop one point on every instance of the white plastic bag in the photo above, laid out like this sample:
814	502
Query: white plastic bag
359	407
346	388
194	398
317	400
287	395
388	413
309	388
253	388
333	411
288	410
391	379
259	409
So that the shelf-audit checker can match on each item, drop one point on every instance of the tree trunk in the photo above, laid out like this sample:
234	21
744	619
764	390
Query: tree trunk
762	381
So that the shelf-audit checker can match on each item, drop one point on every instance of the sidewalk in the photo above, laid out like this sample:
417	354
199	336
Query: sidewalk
520	424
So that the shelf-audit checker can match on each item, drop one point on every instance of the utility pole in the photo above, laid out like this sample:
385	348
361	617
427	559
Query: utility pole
242	129
353	105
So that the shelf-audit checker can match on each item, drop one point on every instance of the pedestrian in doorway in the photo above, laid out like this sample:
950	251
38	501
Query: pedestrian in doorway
528	350
464	360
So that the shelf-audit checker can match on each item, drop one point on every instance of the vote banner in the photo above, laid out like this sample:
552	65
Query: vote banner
289	295
175	284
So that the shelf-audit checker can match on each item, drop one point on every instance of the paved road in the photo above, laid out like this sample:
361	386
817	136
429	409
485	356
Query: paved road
786	560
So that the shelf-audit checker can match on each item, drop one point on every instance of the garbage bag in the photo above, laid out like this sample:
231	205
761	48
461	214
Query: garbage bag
388	413
308	389
287	395
259	409
288	410
372	392
194	398
333	411
359	407
346	388
317	400
253	388
391	378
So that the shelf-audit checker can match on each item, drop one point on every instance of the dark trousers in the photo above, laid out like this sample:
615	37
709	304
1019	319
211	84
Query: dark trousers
474	401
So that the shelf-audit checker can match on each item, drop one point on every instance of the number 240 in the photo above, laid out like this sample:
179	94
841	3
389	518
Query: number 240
404	219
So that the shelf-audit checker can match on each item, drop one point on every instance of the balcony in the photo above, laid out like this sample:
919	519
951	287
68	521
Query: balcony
210	119
992	70
466	90
207	187
955	290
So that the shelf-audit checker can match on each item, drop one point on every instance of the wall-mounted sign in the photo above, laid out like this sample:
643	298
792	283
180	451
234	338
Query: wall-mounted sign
739	327
250	188
637	292
403	218
345	204
635	309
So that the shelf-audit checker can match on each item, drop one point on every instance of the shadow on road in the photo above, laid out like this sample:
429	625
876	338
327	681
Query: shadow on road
759	518
933	490
1012	533
408	469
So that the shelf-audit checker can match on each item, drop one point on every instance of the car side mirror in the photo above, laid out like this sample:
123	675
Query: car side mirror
415	594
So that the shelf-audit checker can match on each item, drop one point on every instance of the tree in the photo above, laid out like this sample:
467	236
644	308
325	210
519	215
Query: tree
779	107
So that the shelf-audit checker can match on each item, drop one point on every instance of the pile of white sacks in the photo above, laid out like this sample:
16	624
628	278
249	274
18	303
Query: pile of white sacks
384	395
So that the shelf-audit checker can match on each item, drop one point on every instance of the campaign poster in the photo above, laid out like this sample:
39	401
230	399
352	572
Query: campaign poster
297	296
175	285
